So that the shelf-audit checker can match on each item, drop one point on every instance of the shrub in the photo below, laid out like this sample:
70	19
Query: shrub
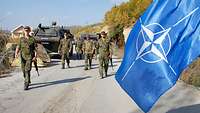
192	74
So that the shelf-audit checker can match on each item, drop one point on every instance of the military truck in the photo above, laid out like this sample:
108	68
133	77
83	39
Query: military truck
50	36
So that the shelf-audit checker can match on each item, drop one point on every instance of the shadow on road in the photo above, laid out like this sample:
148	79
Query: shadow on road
82	66
45	84
186	109
110	75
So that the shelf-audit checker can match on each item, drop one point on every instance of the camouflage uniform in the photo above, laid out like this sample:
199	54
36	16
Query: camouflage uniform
79	47
96	50
105	51
64	49
27	47
88	49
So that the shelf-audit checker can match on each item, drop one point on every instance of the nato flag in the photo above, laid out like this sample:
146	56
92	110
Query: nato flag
162	43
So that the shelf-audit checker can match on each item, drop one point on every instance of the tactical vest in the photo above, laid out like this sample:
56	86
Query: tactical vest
104	48
27	47
88	46
65	45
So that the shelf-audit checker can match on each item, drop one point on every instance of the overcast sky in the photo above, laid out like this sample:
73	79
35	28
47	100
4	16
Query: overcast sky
65	12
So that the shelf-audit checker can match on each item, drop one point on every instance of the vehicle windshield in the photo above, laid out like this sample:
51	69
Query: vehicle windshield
47	32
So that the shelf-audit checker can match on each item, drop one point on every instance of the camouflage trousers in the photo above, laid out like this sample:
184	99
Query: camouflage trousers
79	55
65	57
26	66
103	65
88	60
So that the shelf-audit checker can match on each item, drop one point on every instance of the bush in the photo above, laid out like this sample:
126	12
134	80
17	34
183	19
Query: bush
192	74
4	53
127	13
78	30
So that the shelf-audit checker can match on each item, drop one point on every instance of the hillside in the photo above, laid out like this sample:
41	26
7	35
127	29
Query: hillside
127	13
78	30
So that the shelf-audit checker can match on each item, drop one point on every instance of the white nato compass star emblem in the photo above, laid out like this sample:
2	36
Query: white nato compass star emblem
153	43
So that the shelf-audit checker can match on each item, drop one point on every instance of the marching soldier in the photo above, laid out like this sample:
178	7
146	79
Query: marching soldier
105	53
64	49
79	47
96	50
27	49
95	53
88	49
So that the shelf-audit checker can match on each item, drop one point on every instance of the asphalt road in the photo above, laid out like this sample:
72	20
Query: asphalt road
77	91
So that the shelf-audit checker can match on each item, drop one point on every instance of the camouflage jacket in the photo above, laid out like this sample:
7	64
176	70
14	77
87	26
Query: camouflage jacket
79	46
96	47
65	45
104	48
27	47
88	47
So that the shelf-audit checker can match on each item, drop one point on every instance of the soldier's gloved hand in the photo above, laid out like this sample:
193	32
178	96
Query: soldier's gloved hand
34	59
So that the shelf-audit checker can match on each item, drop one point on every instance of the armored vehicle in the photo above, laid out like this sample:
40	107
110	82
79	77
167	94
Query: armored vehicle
50	36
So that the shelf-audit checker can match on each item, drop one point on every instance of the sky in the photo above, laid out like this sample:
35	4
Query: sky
66	12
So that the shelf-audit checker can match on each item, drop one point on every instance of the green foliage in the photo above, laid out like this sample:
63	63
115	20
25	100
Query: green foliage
124	15
77	30
127	13
3	41
4	53
115	30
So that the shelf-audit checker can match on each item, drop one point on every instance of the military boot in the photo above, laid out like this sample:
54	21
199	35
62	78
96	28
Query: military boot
63	66
90	67
29	82
26	84
106	73
29	78
101	74
68	65
85	68
90	64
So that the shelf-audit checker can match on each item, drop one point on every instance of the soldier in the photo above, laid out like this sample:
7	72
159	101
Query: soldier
96	45
27	48
79	47
88	49
105	53
64	49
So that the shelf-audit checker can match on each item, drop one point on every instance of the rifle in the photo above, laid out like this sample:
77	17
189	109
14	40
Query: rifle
111	62
36	67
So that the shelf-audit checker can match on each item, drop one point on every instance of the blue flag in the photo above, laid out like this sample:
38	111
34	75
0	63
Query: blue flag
162	43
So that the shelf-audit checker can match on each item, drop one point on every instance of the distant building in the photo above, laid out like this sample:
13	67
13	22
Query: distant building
17	32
